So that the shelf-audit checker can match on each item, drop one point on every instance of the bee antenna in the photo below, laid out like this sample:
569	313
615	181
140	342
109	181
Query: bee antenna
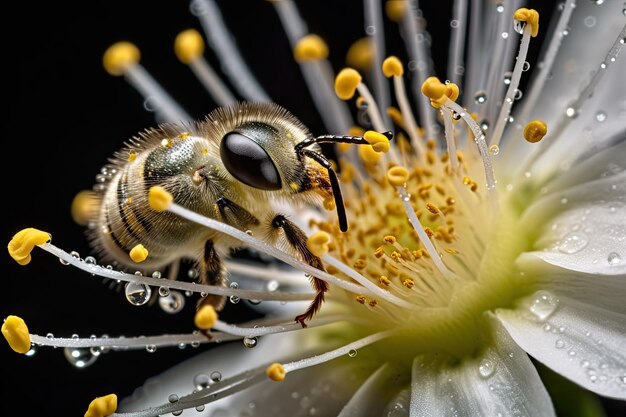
334	184
358	140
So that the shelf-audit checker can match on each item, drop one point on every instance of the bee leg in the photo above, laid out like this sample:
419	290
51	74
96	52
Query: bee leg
212	272
235	215
297	240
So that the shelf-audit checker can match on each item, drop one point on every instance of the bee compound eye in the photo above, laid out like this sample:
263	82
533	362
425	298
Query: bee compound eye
248	162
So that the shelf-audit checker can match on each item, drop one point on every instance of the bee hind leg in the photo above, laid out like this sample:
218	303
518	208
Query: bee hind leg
297	241
212	272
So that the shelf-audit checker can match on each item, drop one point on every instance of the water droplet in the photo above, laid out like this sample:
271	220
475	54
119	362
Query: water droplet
79	357
494	150
559	344
75	254
216	376
517	94
572	353
90	260
600	116
614	258
547	327
571	112
598	2
255	302
543	305
151	348
201	381
63	262
486	368
234	299
177	413
137	294
624	13
584	364
454	24
623	378
352	353
182	346
32	351
370	30
156	275
573	242
565	32
480	97
249	232
192	273
505	35
499	8
250	341
272	285
507	77
525	66
173	398
519	26
200	408
455	116
173	303
484	125
589	21
164	291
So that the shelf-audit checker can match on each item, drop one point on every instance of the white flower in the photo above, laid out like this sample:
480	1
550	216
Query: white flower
454	269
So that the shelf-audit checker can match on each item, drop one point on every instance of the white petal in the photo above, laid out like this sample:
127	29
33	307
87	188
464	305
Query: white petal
502	381
582	342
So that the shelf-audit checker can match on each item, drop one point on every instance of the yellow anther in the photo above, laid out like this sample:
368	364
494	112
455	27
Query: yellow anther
184	135
159	198
102	406
85	207
360	299
379	252
23	242
310	48
189	46
360	264
395	9
391	239
467	180
438	92
451	251
205	317
361	54
16	333
392	67
119	57
535	131
346	83
408	283
384	280
429	231
379	142
318	243
530	16
372	303
432	208
138	253
368	155
132	155
275	372
395	255
398	176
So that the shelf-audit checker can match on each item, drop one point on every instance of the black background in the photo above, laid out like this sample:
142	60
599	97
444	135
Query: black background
63	116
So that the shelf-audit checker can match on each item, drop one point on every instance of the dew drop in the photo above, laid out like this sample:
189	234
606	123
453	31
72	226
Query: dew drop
571	112
272	285
486	368
173	398
517	94
454	24
201	381
494	150
565	32
63	262
543	305
234	299
164	291
137	294
589	21
480	97
614	258
598	2
200	408
215	376
499	8
572	353
623	378
573	242
507	77
600	116
79	357
525	66
250	341
547	327
90	260
455	116
505	35
156	275
75	254
177	413
151	348
559	344
192	273
172	303
585	363
32	351
352	353
519	26
484	125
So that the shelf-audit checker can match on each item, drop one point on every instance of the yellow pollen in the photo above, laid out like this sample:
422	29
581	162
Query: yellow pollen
102	406
395	9
85	207
439	92
379	252
361	54
392	67
184	135
23	242
293	186
15	331
205	317
204	151
360	264
318	243
138	253
408	282
451	251
395	255
329	204
360	299
378	141
310	48
398	176
390	239
119	57
368	155
159	199
188	46
432	208
535	130
372	303
166	143
356	131
429	231
346	83
132	155
530	16
275	372
384	280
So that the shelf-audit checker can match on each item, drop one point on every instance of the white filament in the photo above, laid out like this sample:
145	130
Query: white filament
407	115
212	82
450	140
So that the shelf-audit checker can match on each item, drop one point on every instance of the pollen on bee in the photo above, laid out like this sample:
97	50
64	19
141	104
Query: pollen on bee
166	143
204	151
132	155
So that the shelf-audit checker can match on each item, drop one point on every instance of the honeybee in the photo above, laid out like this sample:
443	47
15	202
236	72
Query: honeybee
232	167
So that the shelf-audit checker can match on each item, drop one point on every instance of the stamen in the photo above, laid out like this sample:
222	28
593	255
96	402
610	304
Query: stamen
227	52
450	140
122	58
206	317
287	326
102	406
138	253
530	29
457	43
15	331
189	48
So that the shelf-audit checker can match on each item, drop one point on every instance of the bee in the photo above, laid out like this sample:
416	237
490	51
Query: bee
232	166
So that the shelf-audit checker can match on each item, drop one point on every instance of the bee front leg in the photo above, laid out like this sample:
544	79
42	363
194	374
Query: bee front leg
297	241
212	272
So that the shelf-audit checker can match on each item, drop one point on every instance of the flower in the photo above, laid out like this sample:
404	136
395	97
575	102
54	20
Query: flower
505	251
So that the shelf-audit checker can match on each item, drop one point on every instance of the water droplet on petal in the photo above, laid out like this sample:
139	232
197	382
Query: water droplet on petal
573	242
614	258
216	376
543	304
173	398
137	294
600	116
250	341
486	368
201	381
90	260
